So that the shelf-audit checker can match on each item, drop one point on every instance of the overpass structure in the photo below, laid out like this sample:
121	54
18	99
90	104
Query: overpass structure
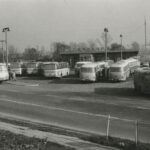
97	55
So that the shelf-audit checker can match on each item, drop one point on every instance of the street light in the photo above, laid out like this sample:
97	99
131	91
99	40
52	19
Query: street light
6	30
2	41
121	36
105	30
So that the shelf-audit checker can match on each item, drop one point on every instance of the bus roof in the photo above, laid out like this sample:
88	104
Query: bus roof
131	60
83	62
101	63
90	65
119	64
52	62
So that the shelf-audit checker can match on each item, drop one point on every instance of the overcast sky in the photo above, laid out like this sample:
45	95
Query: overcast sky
40	22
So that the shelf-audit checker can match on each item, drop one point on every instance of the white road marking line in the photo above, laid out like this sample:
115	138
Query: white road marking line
65	110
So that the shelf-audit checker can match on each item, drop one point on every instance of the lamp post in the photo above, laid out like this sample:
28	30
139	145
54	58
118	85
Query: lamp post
106	31
6	30
2	41
121	36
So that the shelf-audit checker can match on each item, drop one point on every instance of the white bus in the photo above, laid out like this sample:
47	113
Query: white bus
78	65
55	69
133	64
142	80
119	71
4	74
16	67
32	68
92	72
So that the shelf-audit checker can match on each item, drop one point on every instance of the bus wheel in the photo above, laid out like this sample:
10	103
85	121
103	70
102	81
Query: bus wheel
1	82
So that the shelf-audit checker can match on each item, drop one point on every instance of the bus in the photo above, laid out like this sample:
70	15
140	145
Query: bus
122	69
92	71
119	71
16	67
55	69
142	80
78	65
32	68
133	64
4	74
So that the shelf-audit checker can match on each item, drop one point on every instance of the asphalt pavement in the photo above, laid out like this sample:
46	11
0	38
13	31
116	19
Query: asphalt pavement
77	106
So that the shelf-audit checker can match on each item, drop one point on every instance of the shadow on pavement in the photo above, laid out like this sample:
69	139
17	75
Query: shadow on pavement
66	81
34	78
122	92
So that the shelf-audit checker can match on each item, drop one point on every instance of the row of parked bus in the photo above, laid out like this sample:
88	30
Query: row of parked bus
92	71
116	71
86	71
119	71
47	69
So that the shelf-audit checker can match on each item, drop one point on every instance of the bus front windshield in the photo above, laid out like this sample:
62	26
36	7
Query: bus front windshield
115	69
87	70
49	67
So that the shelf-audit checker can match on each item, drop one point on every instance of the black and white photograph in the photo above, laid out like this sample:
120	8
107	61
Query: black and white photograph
74	75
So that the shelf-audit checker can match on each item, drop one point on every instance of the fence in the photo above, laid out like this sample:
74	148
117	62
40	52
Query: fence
134	130
107	125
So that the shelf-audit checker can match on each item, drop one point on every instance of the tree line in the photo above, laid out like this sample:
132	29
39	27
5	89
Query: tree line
32	53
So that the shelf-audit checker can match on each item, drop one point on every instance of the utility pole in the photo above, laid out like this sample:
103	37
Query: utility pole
6	30
121	44
106	31
2	41
145	35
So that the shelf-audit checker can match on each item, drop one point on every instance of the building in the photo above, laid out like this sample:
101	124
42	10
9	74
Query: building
96	55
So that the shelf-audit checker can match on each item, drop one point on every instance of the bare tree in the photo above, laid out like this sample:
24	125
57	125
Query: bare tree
31	54
58	48
82	45
73	46
135	46
13	54
92	44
